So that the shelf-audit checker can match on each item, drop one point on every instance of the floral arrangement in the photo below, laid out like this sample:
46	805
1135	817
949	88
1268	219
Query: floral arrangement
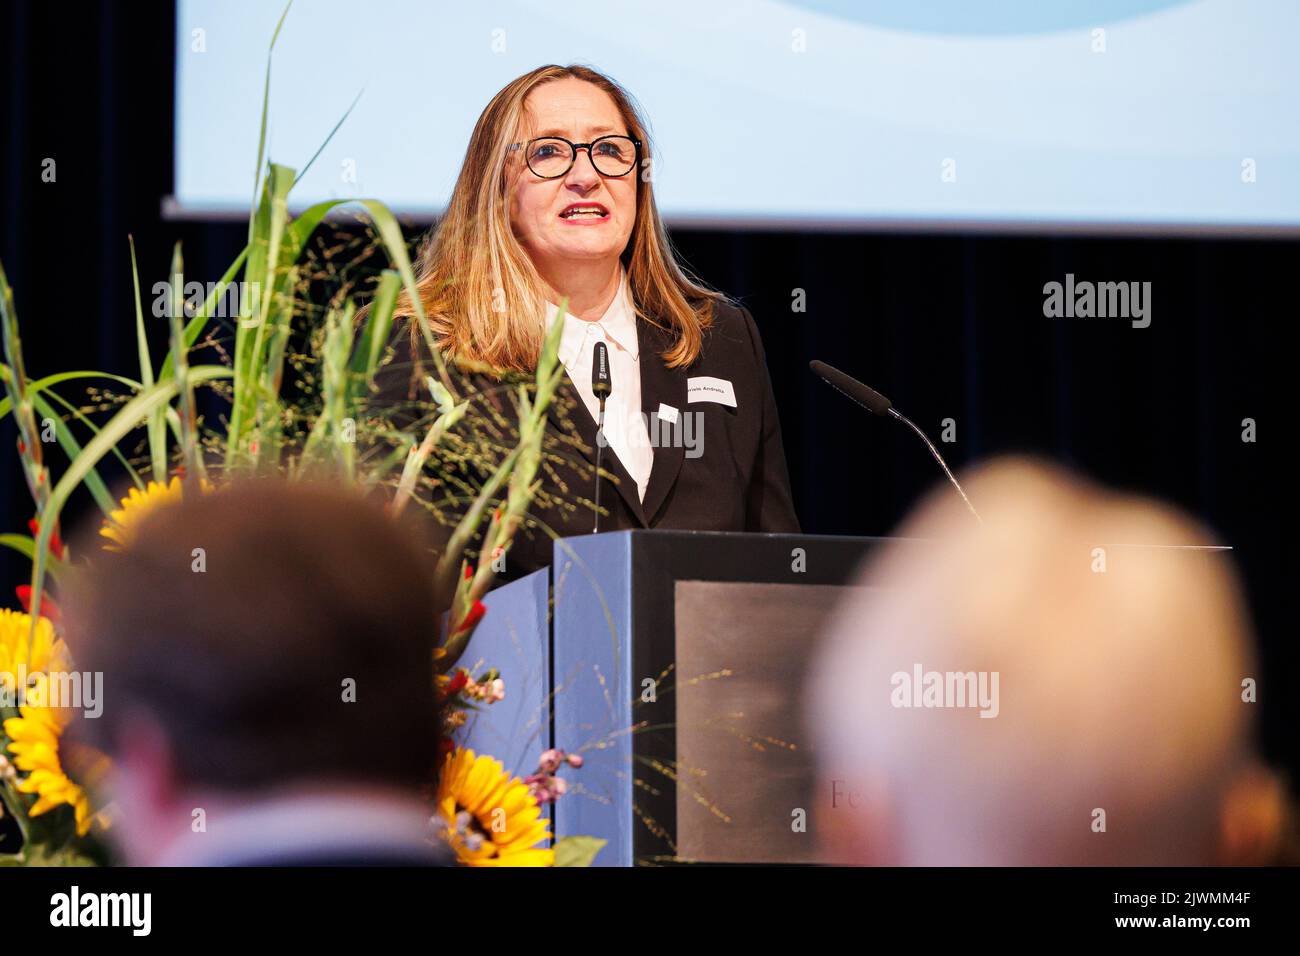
489	817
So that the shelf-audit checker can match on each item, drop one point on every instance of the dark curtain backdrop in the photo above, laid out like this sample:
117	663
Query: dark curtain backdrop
948	326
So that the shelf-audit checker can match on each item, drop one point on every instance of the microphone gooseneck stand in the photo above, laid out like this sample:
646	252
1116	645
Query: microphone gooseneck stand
601	386
877	404
895	413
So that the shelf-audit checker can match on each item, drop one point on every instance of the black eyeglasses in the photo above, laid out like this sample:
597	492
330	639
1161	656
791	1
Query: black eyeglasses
551	157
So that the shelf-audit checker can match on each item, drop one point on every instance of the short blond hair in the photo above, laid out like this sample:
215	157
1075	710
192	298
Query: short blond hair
1120	654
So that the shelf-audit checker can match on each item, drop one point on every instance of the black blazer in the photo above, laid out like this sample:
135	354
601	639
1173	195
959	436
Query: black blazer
734	479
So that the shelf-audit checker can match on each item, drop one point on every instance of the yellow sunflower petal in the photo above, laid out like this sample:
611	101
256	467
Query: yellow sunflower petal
506	820
122	522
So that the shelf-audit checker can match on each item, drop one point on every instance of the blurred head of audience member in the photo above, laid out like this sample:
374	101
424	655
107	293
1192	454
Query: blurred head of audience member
1066	683
267	653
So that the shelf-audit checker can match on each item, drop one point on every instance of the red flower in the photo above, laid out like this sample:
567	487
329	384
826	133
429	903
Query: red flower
56	543
48	607
472	618
456	684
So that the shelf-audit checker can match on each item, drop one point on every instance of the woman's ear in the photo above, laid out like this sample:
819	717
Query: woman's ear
1252	818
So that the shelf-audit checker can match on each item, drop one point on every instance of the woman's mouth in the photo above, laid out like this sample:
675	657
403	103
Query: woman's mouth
584	213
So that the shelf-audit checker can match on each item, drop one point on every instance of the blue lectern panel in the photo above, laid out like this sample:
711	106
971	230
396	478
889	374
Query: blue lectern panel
514	638
593	679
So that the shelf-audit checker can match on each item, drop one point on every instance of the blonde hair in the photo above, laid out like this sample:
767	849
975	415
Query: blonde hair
482	296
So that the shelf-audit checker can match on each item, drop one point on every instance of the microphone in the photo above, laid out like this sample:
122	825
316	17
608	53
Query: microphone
877	404
601	383
601	386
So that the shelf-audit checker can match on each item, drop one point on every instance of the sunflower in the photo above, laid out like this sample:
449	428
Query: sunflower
122	522
488	816
48	652
34	743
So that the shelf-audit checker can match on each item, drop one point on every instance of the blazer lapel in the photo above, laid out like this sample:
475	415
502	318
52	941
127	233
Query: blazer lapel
660	384
568	405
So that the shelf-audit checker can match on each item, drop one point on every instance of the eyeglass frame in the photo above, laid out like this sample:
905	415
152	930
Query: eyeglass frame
573	154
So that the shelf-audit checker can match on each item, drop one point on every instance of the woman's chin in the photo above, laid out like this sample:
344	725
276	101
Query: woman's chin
586	251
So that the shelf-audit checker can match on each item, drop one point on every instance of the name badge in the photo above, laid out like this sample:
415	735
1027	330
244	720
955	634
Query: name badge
667	413
706	388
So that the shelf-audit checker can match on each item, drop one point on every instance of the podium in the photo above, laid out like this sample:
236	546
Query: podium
674	663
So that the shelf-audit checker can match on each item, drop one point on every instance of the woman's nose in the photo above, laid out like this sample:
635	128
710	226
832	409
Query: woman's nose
583	171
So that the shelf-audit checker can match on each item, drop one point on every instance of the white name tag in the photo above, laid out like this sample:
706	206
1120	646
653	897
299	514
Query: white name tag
668	413
706	388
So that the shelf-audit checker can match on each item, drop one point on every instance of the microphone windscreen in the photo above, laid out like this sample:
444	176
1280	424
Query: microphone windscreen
601	384
865	396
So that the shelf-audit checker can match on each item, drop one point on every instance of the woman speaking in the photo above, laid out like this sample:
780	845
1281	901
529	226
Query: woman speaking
555	201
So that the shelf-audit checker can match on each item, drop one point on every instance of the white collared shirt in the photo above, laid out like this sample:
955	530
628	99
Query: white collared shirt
625	428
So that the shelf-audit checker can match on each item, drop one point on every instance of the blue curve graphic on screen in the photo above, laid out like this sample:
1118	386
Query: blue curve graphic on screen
985	17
